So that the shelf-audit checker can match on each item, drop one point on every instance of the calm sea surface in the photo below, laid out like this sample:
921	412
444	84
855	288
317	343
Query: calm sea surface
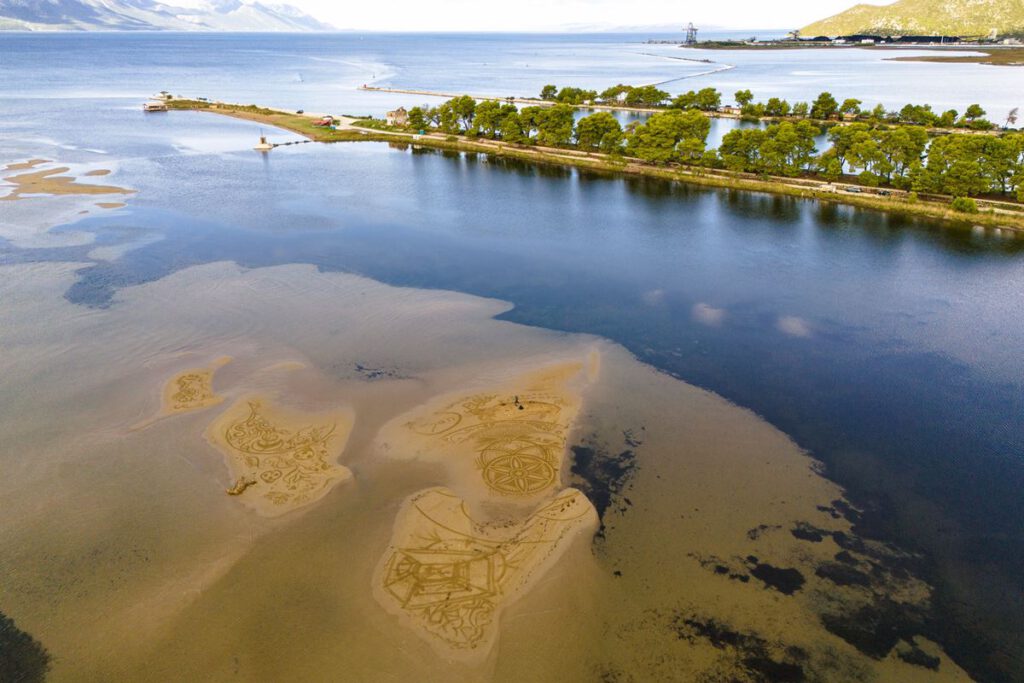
889	348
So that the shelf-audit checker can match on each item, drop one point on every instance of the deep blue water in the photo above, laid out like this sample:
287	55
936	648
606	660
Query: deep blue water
888	347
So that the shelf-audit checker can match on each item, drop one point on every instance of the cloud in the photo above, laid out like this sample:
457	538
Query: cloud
708	315
793	326
653	297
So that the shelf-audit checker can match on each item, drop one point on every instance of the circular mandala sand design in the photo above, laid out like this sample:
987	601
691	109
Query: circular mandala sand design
517	467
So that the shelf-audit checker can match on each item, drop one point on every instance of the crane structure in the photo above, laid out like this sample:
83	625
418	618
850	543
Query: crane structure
691	34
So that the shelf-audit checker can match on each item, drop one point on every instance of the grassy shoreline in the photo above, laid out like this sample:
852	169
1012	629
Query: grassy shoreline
1001	215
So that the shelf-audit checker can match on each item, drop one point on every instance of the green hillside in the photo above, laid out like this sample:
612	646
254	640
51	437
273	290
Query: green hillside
967	18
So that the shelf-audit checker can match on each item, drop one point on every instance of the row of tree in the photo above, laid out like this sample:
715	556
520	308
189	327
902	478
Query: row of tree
959	164
824	108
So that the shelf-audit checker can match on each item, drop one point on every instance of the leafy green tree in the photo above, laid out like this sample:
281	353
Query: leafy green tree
489	117
670	136
947	119
825	107
529	121
614	92
953	167
548	92
787	148
555	126
776	107
917	114
706	99
830	167
709	99
973	112
591	130
611	142
743	97
740	149
850	107
646	96
1000	161
753	110
417	119
901	147
464	108
687	100
448	118
843	138
801	109
575	95
512	129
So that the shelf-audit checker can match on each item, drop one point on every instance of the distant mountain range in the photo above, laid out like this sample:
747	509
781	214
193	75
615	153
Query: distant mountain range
148	15
965	18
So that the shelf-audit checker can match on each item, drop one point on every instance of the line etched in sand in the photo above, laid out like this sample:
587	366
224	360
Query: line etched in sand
511	439
280	460
449	576
50	182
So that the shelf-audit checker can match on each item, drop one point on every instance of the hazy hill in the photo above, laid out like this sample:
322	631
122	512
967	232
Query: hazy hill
148	15
926	17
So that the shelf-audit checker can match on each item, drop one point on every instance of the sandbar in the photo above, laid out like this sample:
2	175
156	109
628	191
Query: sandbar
50	182
448	575
506	441
280	460
188	390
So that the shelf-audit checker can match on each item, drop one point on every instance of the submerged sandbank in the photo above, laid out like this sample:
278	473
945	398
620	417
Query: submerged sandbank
707	545
52	182
39	195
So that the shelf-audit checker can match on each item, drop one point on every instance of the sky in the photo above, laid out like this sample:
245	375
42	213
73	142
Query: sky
547	15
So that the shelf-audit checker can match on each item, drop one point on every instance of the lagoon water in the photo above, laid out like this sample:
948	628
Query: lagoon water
888	348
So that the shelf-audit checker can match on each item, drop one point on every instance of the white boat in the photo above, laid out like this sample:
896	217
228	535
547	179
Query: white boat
154	106
264	146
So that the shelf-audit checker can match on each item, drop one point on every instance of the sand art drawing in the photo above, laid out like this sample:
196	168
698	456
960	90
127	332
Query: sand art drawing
279	460
449	575
188	390
191	390
514	438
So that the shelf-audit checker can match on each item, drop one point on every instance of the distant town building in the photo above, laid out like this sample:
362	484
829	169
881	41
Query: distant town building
398	117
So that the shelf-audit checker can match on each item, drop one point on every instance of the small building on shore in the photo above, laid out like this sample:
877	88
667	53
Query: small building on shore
398	117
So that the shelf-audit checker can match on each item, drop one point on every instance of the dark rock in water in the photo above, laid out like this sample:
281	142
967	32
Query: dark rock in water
785	580
918	657
876	628
603	478
845	557
760	659
22	658
842	574
807	532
